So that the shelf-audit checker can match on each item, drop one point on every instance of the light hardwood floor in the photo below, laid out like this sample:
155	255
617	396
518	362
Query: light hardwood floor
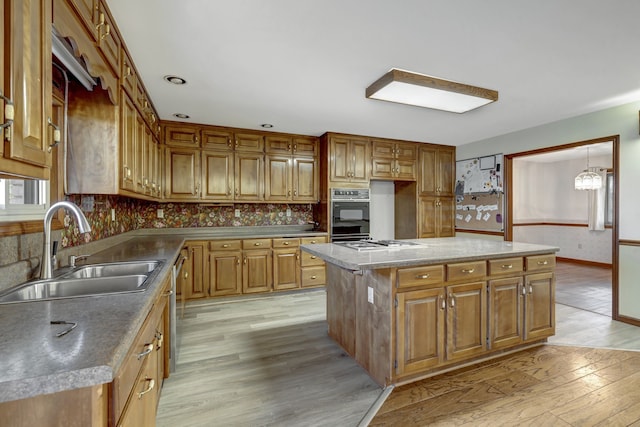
267	361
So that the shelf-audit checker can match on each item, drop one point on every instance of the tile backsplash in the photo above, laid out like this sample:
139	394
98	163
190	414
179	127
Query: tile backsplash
133	214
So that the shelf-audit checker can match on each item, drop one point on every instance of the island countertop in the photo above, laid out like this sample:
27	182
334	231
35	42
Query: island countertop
430	251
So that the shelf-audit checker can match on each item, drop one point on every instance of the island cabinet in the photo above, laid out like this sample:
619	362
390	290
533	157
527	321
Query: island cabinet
412	321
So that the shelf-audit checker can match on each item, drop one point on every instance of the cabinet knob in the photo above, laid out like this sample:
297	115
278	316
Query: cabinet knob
286	243
225	245
313	257
313	277
422	276
257	244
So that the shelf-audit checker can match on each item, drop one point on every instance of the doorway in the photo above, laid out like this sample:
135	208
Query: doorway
543	207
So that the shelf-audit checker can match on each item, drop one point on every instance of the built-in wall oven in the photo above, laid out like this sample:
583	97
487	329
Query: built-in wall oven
349	214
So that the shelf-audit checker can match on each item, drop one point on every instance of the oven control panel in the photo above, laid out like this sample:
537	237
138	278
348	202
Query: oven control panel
349	194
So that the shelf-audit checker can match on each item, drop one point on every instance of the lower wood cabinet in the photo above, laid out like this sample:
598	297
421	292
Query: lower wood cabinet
257	266
192	280
286	261
225	273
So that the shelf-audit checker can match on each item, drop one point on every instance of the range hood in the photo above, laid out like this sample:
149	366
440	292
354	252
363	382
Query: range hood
62	50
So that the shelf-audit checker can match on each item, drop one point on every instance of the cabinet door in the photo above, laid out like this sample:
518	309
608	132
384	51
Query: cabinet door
428	217
360	163
339	161
505	312
285	269
405	169
428	171
305	180
256	271
446	171
382	167
182	174
446	217
305	146
540	314
278	178
176	135
128	130
249	177
194	285
85	10
247	142
217	175
466	320
383	148
27	81
108	39
420	317
141	153
216	139
277	144
225	273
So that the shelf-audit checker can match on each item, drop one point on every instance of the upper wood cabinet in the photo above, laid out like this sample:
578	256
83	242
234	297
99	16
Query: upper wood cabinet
26	64
86	11
217	175
436	217
293	145
393	160
182	173
176	135
437	171
349	159
249	173
217	139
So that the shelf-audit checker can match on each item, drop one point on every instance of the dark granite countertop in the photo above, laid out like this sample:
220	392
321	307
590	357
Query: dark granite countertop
430	251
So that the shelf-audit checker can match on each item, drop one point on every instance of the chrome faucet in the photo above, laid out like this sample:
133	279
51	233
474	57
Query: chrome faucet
83	225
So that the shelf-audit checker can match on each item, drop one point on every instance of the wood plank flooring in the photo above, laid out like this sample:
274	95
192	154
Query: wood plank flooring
544	386
267	361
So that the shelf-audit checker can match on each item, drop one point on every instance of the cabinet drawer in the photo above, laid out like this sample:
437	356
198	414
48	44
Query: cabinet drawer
313	240
286	243
540	262
419	276
143	346
313	276
307	259
256	243
225	245
466	270
505	266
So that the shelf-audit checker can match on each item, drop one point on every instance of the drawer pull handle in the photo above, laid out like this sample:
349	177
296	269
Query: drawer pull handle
422	276
152	384
313	277
507	266
286	243
453	300
530	289
313	257
443	303
469	271
257	244
147	349
160	339
313	242
545	262
225	245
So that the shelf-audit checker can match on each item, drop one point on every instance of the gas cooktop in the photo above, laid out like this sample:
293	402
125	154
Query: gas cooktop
370	244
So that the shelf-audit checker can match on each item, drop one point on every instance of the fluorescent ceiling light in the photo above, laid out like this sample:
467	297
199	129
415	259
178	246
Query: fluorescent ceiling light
405	87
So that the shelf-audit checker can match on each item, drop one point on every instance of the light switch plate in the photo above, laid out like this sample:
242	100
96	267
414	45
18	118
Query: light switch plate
237	213
113	214
288	212
160	213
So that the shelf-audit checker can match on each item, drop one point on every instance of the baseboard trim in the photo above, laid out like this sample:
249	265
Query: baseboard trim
584	262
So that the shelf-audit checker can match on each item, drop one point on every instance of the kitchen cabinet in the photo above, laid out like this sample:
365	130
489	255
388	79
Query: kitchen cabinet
437	171
506	312
194	272
26	60
178	135
286	270
217	139
291	179
257	266
393	160
225	268
349	159
436	217
466	323
313	271
249	177
85	10
107	38
539	305
128	130
182	173
217	175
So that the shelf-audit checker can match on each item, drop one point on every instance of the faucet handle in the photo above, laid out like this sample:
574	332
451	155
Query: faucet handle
74	258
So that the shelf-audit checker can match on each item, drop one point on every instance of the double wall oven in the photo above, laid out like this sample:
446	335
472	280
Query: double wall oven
349	214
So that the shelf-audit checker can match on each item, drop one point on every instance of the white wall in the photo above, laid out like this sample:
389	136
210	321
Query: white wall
381	210
623	121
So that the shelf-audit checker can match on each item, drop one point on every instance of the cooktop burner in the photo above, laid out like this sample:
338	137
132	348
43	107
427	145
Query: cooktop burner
368	245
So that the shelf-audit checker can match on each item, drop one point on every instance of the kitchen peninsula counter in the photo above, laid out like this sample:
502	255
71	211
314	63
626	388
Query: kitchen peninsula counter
406	313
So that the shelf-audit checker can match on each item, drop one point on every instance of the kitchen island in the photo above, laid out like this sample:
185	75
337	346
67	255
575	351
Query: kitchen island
408	312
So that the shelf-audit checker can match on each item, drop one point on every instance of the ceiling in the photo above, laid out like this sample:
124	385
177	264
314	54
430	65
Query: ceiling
304	65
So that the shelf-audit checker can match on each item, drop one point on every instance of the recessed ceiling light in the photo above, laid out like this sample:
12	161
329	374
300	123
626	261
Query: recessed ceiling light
181	115
267	125
175	80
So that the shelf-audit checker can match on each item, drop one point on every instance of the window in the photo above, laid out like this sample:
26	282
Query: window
23	199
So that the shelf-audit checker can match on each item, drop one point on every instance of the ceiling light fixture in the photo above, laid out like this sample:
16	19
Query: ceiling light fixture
405	87
587	180
175	80
181	115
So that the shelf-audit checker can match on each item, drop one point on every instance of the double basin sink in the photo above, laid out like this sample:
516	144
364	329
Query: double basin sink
88	280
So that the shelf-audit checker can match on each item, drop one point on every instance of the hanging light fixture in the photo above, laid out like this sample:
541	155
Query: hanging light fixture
587	180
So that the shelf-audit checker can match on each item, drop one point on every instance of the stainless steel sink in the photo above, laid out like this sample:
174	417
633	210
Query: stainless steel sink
113	269
88	280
